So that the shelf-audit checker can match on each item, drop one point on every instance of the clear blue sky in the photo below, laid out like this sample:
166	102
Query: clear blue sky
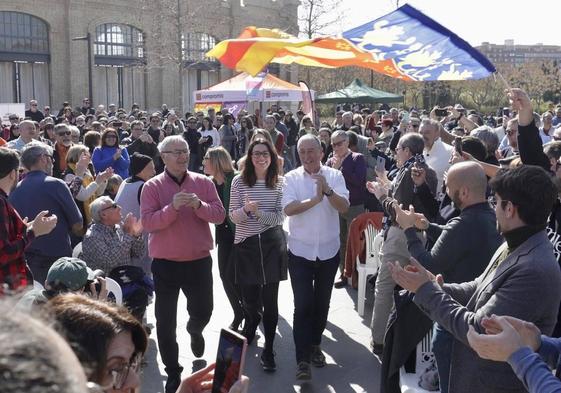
476	21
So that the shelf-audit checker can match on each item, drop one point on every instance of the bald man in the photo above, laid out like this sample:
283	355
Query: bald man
462	248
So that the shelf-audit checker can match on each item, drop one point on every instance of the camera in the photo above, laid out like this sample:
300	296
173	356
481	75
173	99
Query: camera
440	112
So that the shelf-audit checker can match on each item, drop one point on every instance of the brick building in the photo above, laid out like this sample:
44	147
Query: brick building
511	54
144	51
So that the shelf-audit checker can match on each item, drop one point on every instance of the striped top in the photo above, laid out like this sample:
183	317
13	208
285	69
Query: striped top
270	207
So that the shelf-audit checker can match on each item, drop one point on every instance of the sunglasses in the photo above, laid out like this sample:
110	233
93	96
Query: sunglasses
112	206
63	133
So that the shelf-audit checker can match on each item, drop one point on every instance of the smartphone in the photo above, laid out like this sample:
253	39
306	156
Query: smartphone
441	112
506	112
380	164
230	359
458	145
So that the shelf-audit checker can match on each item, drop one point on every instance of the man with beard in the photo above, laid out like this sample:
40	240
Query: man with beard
15	233
63	143
39	192
462	247
522	280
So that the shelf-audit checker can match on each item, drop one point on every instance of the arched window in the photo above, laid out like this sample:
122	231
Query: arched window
118	44
119	75
195	45
24	58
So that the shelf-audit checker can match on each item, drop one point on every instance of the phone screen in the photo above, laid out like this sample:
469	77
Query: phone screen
230	359
380	163
458	144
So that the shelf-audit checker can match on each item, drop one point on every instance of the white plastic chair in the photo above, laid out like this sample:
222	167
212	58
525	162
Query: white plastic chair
38	285
374	241
77	250
114	287
409	382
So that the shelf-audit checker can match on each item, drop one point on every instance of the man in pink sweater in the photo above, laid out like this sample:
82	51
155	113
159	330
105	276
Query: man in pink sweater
176	209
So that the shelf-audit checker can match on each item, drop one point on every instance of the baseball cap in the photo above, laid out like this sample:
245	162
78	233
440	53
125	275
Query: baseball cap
73	273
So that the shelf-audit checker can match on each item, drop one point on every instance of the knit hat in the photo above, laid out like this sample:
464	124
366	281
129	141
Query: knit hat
138	163
69	272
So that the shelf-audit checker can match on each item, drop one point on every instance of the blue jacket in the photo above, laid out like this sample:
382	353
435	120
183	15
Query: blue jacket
102	158
532	368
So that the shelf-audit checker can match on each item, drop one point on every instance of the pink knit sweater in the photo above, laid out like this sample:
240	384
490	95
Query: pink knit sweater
179	235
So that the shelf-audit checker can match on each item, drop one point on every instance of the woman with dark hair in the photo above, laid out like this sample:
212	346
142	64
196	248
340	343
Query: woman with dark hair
218	164
325	138
92	139
209	136
107	339
48	133
259	255
228	135
14	132
244	135
307	127
110	154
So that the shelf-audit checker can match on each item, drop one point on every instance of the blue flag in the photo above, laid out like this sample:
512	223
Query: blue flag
420	48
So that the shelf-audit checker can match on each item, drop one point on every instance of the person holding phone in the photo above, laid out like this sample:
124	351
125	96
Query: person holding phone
259	254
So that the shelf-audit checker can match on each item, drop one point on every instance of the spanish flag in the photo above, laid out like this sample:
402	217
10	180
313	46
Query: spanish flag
257	47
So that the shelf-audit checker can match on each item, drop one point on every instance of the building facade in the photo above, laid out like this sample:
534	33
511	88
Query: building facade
511	54
148	52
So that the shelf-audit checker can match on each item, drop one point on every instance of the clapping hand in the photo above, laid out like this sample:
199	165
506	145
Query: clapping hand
504	336
409	218
250	207
377	188
193	201
132	225
179	199
413	276
82	164
104	176
42	225
117	154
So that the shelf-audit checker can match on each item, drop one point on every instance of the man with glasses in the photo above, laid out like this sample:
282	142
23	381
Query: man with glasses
155	129
176	209
192	136
33	112
401	191
521	280
353	167
38	192
141	142
511	137
27	132
112	240
86	107
63	143
546	130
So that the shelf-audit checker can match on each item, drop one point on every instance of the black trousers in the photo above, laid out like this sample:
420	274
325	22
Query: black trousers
194	279
260	302
227	275
312	282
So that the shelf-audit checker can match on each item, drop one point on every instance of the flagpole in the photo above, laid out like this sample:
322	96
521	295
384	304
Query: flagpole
501	77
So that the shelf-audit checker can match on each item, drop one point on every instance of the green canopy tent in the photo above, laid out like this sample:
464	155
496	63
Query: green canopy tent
358	93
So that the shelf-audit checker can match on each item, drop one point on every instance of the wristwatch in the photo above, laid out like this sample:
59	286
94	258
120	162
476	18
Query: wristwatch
329	193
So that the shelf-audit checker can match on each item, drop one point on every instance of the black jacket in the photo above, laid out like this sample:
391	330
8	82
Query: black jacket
463	247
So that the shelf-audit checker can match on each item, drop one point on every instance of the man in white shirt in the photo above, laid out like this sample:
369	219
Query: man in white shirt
313	197
437	153
27	132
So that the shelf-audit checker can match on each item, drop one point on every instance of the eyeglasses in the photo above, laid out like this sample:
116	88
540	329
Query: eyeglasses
112	206
63	133
414	125
191	122
257	154
121	372
337	144
111	137
33	104
177	153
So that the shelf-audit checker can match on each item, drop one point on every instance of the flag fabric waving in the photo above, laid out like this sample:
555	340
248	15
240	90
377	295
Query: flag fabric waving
420	47
404	44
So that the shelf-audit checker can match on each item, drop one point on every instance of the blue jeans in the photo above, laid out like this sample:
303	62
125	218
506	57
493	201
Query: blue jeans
442	342
312	282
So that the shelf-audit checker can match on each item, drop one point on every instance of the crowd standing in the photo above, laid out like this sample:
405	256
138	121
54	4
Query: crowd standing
468	243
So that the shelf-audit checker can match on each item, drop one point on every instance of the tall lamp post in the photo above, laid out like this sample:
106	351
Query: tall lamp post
88	39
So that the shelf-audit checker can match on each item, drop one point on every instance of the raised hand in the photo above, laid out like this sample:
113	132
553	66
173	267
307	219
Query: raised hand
104	176
377	188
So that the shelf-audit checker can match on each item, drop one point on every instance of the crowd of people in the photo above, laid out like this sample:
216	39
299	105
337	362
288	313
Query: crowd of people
470	233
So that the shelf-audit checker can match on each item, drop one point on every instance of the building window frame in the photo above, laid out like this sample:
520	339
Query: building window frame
118	44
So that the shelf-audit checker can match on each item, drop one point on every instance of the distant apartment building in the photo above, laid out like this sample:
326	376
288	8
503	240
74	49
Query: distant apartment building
511	54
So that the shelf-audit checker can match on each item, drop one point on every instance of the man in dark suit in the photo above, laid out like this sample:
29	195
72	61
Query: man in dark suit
522	280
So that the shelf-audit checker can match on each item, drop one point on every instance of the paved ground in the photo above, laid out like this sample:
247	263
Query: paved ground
351	366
